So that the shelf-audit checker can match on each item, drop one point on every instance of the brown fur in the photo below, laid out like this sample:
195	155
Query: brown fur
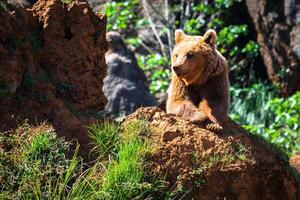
199	89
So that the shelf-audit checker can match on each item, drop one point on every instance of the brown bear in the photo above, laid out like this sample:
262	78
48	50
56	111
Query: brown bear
199	89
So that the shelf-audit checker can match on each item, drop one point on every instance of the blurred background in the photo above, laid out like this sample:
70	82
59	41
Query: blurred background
259	38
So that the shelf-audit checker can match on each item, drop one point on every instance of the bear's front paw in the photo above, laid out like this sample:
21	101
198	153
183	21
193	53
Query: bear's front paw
198	117
214	127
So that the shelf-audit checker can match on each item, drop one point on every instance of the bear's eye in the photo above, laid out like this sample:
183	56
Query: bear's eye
189	55
176	55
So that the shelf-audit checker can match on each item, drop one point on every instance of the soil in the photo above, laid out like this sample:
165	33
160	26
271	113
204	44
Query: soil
52	66
295	161
229	165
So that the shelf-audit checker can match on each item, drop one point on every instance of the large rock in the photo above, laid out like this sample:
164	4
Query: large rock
52	65
277	23
231	165
125	85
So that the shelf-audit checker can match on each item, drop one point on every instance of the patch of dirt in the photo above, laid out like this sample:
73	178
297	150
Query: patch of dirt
52	66
295	161
232	165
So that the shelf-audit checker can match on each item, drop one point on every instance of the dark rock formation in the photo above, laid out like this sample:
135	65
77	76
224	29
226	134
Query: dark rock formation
125	85
52	66
277	24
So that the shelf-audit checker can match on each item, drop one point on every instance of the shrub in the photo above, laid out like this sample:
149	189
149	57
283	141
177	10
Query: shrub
275	119
121	15
284	130
157	68
249	104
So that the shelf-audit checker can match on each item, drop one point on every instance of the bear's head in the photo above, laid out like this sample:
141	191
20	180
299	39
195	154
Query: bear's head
195	59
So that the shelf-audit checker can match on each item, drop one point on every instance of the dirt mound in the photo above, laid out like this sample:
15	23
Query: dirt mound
52	65
295	161
232	165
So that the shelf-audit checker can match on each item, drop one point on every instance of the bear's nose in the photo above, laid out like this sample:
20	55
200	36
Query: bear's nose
177	69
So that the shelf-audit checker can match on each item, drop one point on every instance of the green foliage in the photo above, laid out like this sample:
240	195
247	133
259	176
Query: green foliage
275	119
213	7
120	14
284	131
193	26
3	5
228	35
31	158
251	49
225	3
249	105
136	42
154	66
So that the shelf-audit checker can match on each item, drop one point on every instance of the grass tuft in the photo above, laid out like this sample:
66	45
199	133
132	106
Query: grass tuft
124	176
31	158
105	136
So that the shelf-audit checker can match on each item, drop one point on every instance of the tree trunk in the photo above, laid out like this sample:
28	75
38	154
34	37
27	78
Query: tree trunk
277	23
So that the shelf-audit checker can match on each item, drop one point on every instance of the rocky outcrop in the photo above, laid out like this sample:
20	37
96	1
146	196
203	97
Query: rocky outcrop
277	24
52	65
229	165
125	85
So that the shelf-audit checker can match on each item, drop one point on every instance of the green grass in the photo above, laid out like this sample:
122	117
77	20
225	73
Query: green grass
105	137
34	165
124	176
31	157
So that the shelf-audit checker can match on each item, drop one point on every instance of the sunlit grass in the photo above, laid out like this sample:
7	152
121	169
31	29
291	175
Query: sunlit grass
33	165
105	136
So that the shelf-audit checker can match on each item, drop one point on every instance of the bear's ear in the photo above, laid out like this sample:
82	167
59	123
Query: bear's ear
179	35
210	37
